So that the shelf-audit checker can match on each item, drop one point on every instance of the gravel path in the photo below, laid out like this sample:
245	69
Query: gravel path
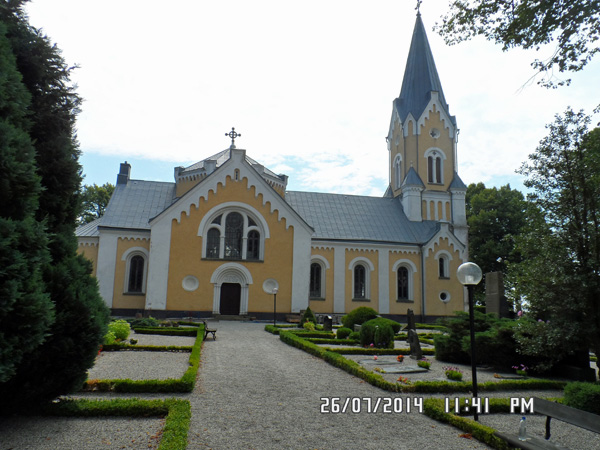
255	392
137	365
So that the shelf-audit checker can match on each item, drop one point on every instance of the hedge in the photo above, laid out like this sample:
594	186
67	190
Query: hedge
184	384
168	331
177	414
145	348
335	358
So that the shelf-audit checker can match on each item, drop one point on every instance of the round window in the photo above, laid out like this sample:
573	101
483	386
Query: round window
445	296
190	283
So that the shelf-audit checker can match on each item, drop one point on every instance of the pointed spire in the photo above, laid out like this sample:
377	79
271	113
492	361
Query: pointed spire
420	77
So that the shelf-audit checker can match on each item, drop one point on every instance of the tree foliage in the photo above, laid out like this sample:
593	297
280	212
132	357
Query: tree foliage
25	309
59	365
94	200
529	24
560	275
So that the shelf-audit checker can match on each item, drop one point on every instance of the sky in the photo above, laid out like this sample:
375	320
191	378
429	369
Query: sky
309	85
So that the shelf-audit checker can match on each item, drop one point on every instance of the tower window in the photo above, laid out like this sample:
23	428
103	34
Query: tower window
443	267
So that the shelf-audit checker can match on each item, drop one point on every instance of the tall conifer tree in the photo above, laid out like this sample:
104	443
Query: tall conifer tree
25	310
60	364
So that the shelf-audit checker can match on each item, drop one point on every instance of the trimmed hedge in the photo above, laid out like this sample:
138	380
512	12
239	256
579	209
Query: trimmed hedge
332	341
177	414
336	359
145	348
378	351
184	384
584	396
167	331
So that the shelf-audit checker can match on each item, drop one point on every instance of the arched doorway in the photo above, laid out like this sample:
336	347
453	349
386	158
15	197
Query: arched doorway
229	304
231	281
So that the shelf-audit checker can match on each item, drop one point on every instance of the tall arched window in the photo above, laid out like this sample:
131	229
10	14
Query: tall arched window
443	267
398	171
315	281
360	282
435	165
213	246
403	286
136	274
253	251
234	229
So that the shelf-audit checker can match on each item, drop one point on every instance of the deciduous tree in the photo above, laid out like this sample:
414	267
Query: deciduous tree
94	200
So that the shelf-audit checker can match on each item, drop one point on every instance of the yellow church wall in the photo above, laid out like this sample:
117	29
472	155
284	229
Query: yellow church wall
326	305
444	143
435	284
373	284
397	307
186	255
397	149
120	298
89	252
185	184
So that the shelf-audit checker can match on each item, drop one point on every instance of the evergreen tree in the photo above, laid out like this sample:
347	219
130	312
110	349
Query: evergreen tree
60	364
25	310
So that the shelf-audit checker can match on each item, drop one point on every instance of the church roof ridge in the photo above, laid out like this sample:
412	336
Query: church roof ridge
420	77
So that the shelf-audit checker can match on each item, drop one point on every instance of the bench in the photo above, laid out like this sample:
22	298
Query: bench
551	410
208	331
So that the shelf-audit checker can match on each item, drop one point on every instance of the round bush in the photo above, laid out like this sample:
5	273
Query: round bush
308	316
355	336
584	396
343	333
109	338
120	328
378	332
358	316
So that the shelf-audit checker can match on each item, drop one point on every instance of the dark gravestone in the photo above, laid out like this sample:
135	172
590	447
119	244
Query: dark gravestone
415	345
495	301
410	317
327	323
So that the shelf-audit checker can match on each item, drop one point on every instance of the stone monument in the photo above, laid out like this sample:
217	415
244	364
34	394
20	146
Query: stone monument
495	301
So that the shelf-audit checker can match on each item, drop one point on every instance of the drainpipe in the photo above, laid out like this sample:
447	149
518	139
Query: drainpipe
423	310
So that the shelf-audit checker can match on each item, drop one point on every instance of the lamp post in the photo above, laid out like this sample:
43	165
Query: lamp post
469	274
274	305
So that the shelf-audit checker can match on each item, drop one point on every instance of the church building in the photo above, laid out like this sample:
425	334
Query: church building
226	231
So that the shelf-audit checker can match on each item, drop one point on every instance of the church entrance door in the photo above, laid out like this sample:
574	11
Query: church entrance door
230	299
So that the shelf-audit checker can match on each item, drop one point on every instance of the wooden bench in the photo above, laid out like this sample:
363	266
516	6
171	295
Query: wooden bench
551	410
209	330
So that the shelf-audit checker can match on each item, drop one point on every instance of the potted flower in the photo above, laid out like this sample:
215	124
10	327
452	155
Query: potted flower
424	363
400	358
521	370
453	373
403	380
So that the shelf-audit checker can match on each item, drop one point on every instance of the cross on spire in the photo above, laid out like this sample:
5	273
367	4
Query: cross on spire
233	134
418	8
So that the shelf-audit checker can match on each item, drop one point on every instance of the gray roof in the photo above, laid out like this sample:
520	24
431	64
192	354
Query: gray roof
221	158
420	77
412	178
359	218
132	205
89	229
457	183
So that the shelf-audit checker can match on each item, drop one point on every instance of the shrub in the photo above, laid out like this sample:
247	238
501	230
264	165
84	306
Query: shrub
120	328
308	316
584	396
343	333
109	338
424	363
308	326
355	336
378	332
358	316
145	322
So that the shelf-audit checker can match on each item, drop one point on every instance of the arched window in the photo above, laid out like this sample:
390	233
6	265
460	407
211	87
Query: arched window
435	165
360	282
234	228
135	283
398	171
443	267
213	245
253	251
403	286
315	281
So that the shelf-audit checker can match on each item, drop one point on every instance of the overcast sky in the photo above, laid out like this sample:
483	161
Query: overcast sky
309	85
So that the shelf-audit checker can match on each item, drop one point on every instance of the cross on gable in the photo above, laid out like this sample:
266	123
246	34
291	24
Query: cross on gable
233	134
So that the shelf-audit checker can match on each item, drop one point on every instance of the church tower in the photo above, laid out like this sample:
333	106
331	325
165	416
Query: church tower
422	144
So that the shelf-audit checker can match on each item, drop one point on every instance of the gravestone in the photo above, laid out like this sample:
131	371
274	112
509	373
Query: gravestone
327	323
410	317
415	345
495	301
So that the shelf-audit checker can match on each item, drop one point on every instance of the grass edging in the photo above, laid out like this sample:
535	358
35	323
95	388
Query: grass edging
177	414
338	360
184	384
